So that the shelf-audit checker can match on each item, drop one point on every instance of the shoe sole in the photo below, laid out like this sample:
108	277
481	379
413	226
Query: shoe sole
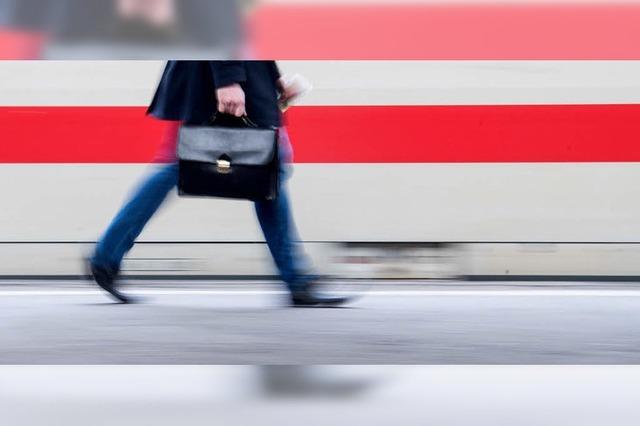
119	297
329	304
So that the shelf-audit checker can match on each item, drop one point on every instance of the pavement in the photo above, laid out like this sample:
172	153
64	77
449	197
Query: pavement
46	323
320	395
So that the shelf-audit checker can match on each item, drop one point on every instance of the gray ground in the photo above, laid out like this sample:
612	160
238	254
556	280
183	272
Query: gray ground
69	323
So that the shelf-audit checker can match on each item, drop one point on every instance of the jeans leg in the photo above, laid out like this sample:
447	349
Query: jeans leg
133	216
282	239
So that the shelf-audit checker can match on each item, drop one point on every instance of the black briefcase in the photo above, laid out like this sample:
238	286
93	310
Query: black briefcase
228	161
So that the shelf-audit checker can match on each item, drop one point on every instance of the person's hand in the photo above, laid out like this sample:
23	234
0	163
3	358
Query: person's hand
288	91
291	87
231	100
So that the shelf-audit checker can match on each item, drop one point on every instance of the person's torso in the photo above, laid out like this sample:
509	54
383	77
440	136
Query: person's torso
187	92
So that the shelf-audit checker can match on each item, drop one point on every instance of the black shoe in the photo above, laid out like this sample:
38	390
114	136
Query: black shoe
307	297
106	280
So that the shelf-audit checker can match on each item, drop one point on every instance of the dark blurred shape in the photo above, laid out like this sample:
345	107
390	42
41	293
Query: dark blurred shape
300	381
122	29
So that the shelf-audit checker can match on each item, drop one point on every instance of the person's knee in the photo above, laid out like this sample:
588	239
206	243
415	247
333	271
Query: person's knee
169	174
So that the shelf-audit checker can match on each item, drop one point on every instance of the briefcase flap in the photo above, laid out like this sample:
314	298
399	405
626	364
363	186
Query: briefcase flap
240	146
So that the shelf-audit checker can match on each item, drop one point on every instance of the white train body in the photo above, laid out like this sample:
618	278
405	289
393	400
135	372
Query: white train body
496	218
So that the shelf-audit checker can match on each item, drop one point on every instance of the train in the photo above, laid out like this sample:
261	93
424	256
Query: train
425	169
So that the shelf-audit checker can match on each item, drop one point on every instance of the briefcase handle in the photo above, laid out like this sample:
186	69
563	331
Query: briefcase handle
245	120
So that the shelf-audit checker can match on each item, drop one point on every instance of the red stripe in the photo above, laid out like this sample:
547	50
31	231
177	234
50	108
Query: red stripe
78	135
467	134
348	134
17	45
486	31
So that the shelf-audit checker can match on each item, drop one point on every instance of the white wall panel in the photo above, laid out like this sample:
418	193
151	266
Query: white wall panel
132	83
347	202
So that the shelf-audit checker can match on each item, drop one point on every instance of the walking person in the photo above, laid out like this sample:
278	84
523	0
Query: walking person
192	92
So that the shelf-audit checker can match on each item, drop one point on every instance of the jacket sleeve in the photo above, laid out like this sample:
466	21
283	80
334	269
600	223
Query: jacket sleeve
276	70
226	73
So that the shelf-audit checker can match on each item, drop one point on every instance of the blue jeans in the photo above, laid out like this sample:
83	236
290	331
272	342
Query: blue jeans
274	216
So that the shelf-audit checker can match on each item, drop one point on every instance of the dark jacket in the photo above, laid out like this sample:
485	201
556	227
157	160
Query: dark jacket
187	90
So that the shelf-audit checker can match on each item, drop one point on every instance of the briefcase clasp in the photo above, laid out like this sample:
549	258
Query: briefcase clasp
224	166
